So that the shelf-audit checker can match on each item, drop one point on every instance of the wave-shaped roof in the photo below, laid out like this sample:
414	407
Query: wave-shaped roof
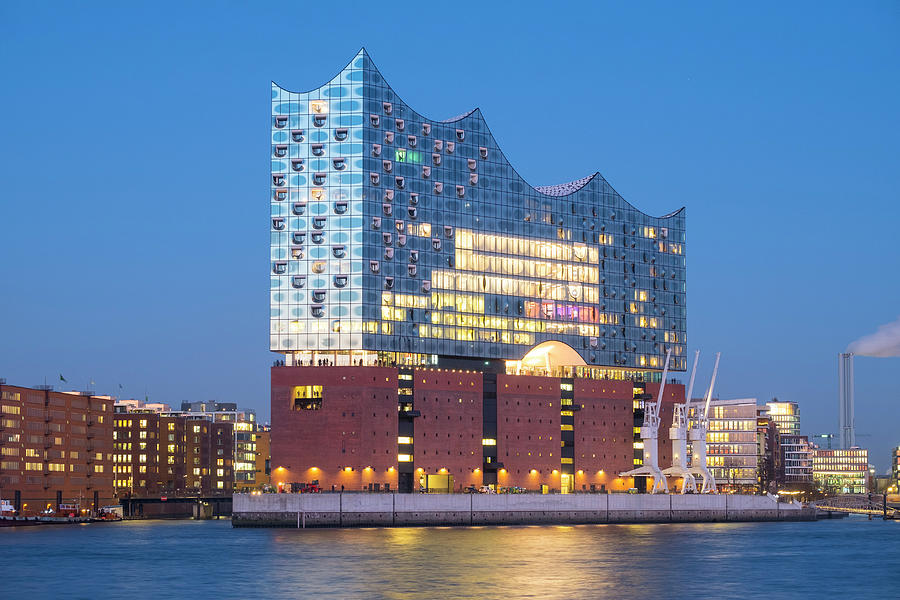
556	190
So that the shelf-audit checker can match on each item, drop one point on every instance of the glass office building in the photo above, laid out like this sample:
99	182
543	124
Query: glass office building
401	240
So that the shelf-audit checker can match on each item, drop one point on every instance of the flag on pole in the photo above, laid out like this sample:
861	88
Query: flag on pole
61	378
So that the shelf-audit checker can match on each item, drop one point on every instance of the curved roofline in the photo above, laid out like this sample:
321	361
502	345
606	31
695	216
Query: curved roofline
341	70
476	112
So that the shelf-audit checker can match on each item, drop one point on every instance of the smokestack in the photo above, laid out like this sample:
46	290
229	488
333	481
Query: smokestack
845	392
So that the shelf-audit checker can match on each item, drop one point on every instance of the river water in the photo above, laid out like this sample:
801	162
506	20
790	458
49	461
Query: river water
846	558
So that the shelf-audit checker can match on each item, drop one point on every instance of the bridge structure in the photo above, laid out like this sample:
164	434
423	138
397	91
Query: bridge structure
873	505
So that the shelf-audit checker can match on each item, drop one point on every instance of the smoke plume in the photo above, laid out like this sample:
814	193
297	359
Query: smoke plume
883	343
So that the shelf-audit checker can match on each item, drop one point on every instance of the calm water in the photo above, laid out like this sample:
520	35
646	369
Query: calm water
851	558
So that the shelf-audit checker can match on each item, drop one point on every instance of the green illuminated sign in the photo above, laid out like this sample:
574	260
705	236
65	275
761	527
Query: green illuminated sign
408	156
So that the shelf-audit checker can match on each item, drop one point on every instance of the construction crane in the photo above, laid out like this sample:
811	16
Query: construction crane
678	434
650	438
699	427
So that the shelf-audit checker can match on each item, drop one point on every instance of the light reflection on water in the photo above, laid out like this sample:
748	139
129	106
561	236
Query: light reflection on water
853	558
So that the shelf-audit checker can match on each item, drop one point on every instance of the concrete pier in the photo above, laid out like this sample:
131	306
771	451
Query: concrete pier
405	510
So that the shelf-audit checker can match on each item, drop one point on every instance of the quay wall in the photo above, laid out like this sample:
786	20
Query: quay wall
405	510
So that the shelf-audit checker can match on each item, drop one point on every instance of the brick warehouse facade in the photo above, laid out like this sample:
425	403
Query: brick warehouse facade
358	428
56	450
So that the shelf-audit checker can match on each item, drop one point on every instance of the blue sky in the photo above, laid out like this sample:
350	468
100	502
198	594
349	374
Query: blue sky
134	159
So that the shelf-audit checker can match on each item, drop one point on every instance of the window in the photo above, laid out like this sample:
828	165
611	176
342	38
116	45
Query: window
340	134
297	164
297	135
307	397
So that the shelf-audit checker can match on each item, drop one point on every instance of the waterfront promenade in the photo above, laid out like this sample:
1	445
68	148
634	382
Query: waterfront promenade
399	510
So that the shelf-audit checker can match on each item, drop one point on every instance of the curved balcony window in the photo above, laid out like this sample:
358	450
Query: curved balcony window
388	195
387	166
319	178
319	266
413	198
319	120
340	281
387	237
278	223
298	237
426	171
376	222
401	124
339	251
340	208
299	208
376	149
341	133
317	310
278	179
374	266
448	231
460	191
451	146
297	164
426	128
281	121
412	270
297	135
298	281
401	239
426	285
339	164
297	252
460	134
473	178
388	283
436	243
318	296
375	120
484	154
400	182
411	140
436	159
413	256
317	237
281	194
412	211
279	268
438	187
388	107
388	253
387	209
472	164
388	137
319	222
317	149
374	178
281	150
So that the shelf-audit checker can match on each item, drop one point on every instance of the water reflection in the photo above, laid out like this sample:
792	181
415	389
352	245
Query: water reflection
194	559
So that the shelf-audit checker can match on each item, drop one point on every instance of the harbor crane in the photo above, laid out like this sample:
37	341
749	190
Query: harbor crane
650	438
699	427
678	433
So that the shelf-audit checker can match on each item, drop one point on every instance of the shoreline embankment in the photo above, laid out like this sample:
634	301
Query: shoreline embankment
423	510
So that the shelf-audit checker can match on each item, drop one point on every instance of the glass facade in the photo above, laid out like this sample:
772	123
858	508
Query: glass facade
785	415
402	239
841	471
731	443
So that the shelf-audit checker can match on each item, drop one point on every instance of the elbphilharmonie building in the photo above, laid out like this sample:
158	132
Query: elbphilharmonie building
398	239
405	244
